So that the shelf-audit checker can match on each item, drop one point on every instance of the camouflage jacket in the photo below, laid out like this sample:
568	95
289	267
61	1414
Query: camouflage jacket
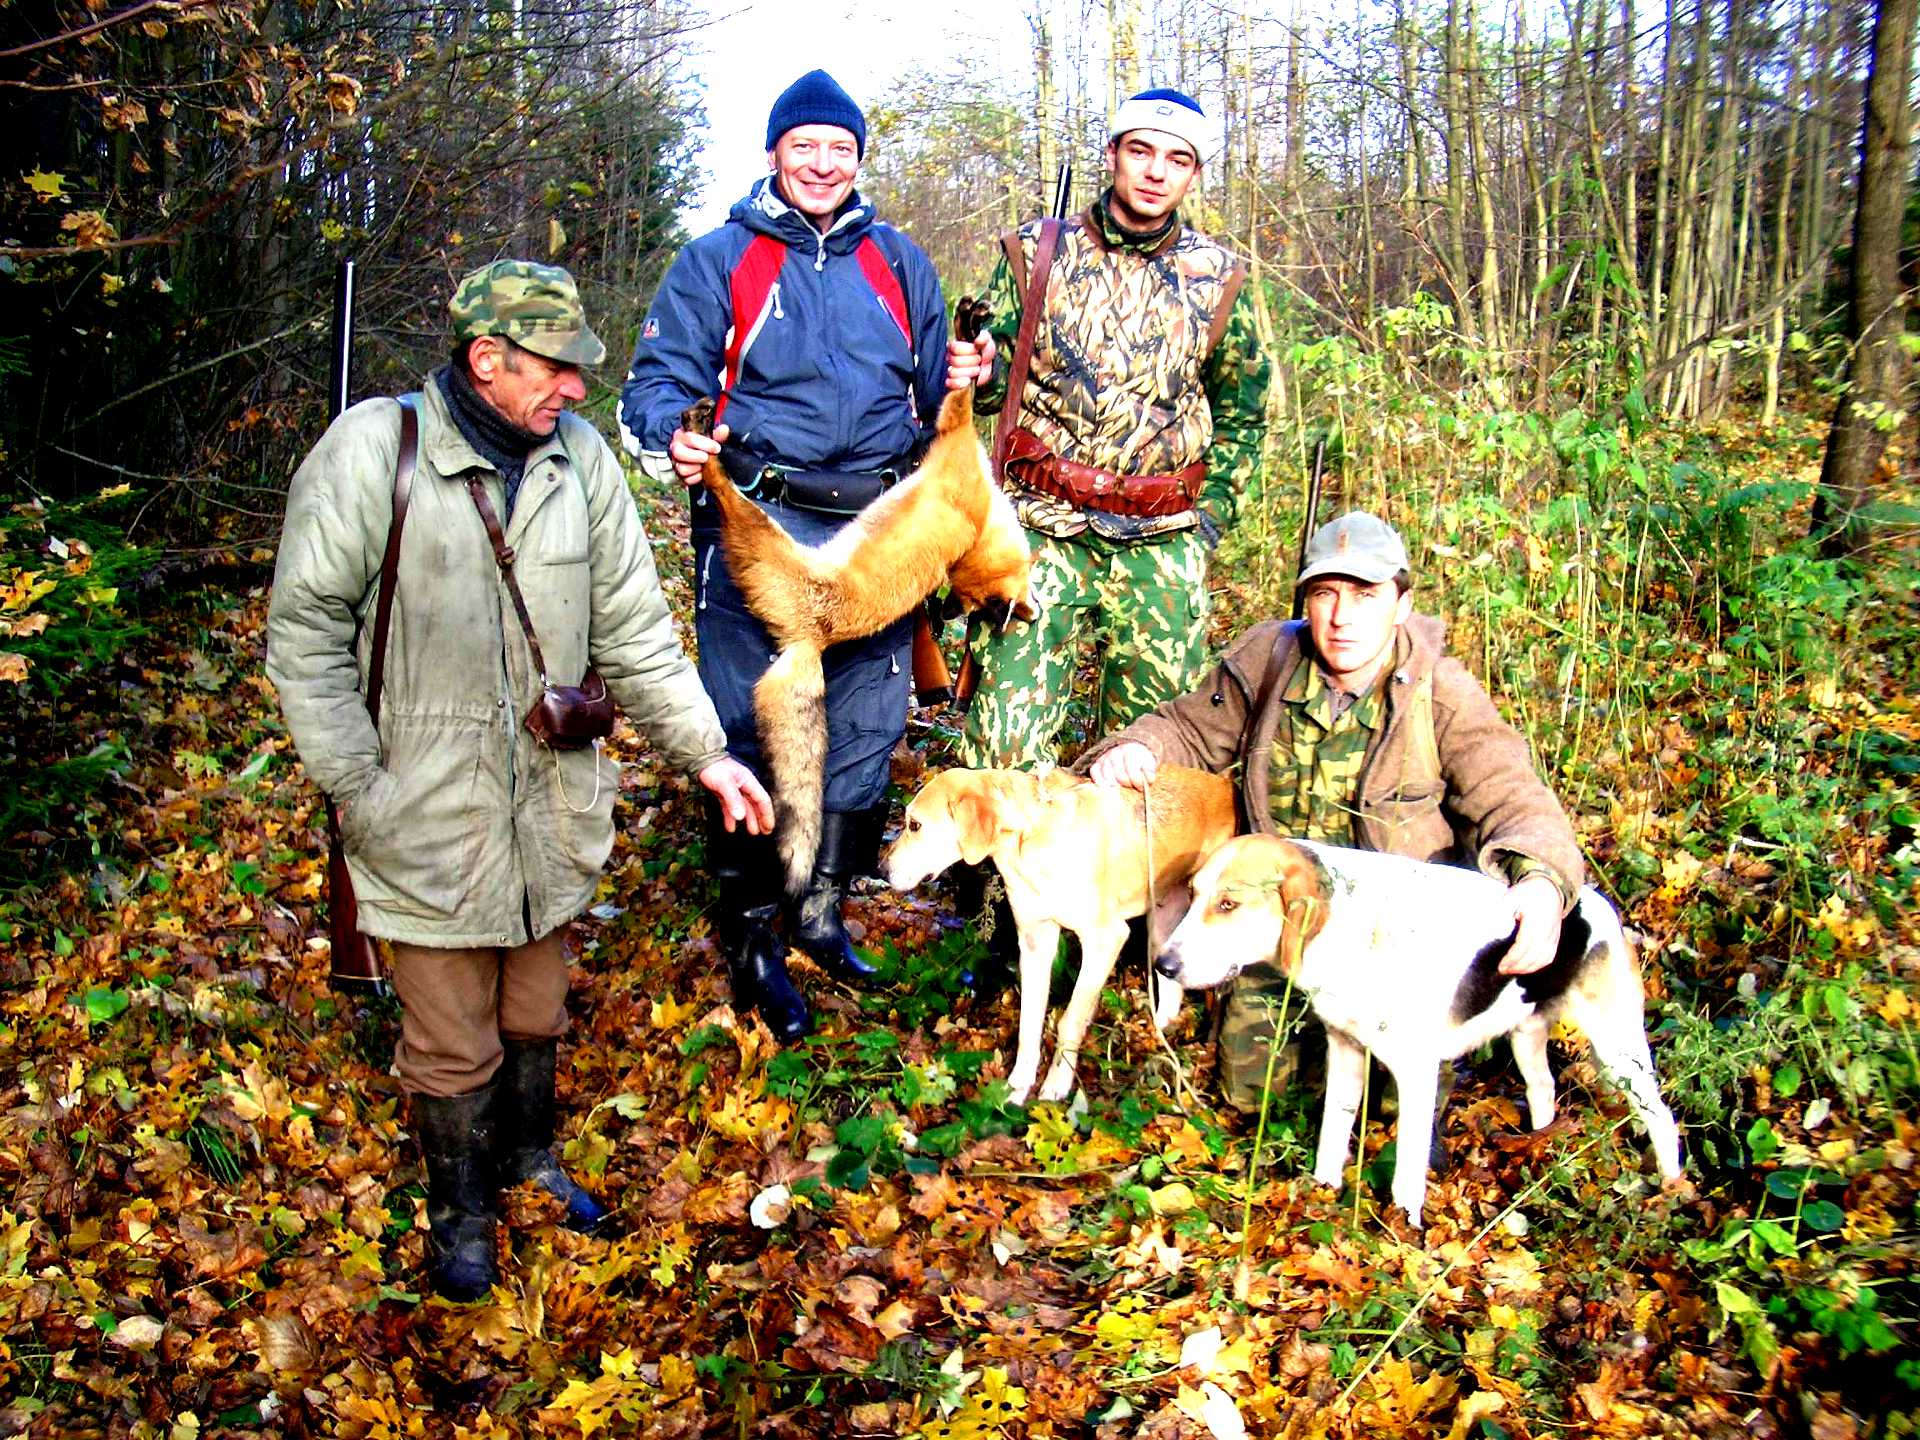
1456	785
1120	375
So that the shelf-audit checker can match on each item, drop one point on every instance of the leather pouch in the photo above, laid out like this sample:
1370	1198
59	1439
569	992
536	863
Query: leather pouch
572	717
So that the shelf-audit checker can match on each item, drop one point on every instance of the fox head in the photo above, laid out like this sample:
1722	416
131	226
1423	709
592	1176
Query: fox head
992	576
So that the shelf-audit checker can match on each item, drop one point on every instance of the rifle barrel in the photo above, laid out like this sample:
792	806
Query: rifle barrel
340	368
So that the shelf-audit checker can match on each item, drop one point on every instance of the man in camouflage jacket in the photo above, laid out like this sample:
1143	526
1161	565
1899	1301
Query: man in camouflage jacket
1140	426
1354	727
472	845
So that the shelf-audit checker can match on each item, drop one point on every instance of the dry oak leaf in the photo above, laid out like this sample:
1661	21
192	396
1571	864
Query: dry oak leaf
285	1343
222	1255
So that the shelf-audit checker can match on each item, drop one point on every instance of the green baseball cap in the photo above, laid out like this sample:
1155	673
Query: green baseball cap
1357	544
535	306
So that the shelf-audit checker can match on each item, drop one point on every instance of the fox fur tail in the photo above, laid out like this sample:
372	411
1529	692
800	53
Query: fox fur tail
790	708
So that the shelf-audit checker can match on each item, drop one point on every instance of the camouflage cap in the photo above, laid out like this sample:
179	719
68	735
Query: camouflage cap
1357	544
535	306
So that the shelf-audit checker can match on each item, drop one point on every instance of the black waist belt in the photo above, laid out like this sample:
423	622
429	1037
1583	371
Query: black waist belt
833	492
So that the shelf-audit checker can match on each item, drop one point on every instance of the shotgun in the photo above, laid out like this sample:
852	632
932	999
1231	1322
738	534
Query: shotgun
969	680
356	960
1307	525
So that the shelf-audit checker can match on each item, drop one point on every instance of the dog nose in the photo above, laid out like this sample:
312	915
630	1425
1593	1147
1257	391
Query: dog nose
1168	964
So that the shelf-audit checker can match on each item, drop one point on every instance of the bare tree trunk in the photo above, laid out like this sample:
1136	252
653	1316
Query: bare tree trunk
1046	104
1782	241
1454	105
1662	185
1877	378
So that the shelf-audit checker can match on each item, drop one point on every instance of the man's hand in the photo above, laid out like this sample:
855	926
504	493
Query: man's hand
690	452
969	362
1131	764
740	794
1536	914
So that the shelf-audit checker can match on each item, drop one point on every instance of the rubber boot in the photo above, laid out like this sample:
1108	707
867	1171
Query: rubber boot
525	1127
747	868
819	927
982	901
457	1141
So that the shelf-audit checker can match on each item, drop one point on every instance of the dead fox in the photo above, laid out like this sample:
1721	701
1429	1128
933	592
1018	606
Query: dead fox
945	524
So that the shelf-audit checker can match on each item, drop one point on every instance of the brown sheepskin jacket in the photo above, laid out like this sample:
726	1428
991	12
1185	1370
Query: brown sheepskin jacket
1470	796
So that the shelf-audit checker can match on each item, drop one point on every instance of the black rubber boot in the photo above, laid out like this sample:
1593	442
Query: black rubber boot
818	927
982	902
747	868
457	1141
869	837
525	1126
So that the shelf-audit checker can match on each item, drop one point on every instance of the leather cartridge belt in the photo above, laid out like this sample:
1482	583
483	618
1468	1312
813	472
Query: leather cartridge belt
1088	487
834	492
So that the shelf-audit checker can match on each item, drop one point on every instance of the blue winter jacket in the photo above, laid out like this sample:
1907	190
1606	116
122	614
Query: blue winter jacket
829	381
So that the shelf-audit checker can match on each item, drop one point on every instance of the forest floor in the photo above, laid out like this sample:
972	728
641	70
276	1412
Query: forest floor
213	1223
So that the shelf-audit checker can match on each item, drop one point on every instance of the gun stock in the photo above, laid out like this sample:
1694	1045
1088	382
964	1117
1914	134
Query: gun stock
932	681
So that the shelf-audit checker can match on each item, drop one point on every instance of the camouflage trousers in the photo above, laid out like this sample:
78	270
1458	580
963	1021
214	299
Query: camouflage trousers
1145	603
1249	1035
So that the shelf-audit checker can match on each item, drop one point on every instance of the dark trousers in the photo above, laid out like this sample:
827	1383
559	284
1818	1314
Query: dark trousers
867	680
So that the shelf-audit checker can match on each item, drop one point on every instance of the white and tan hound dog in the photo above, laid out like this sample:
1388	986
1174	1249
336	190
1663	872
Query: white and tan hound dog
1402	959
1073	856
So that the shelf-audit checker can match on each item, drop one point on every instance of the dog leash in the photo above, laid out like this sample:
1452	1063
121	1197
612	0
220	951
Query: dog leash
1180	1081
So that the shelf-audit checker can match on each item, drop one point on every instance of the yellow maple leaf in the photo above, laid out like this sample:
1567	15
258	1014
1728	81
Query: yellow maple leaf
47	184
669	1014
13	668
1895	1007
1512	1271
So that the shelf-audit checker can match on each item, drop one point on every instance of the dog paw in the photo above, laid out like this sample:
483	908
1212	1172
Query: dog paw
1058	1087
1334	1180
697	419
1019	1087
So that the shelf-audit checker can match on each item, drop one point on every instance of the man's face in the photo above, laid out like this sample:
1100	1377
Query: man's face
1353	624
817	165
1152	172
528	390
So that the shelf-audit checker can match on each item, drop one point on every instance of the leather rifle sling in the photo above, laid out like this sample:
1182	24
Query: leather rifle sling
355	960
390	562
1031	303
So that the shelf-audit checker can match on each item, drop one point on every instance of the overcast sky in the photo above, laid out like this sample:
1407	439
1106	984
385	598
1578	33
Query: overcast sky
751	52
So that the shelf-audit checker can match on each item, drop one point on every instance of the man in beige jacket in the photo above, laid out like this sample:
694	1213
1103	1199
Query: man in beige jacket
471	844
1354	727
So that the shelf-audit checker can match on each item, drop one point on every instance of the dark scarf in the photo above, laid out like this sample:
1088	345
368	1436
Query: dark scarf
1132	239
500	442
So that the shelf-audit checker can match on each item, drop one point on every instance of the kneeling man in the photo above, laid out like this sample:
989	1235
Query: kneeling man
1354	727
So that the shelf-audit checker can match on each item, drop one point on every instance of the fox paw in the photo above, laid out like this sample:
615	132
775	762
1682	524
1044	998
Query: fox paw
970	316
698	417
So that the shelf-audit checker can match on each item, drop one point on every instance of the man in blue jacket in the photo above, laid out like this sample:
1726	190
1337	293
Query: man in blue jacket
828	335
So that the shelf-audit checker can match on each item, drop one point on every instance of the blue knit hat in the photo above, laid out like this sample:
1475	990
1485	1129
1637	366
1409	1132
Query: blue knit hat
816	99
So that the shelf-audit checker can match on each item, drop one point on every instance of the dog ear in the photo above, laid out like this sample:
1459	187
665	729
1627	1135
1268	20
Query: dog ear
1303	898
976	815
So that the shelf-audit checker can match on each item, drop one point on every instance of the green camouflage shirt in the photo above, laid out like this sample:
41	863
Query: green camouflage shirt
1320	745
1319	749
1235	375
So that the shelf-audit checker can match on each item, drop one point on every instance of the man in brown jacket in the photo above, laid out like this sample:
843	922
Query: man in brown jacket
1353	727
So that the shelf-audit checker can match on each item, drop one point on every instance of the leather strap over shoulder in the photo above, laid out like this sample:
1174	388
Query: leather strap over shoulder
1288	631
404	463
1033	295
503	556
1223	312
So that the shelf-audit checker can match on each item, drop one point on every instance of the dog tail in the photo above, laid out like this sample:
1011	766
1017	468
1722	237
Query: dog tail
790	706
